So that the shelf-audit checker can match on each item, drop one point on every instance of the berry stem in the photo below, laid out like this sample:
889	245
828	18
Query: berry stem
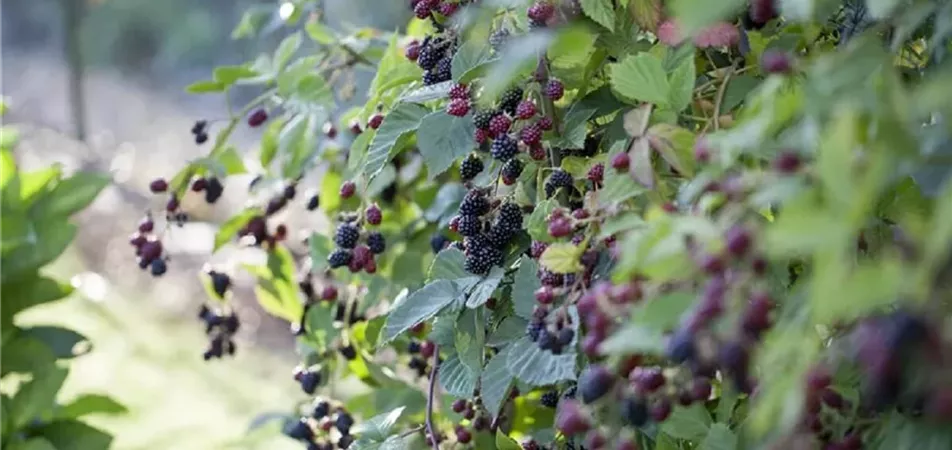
429	397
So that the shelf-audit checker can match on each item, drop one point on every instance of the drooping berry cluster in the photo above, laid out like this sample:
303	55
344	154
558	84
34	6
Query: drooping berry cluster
486	237
148	248
314	428
200	131
219	326
357	249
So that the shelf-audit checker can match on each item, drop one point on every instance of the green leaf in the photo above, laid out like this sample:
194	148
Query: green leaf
719	437
52	237
691	423
26	292
320	248
737	91
682	85
377	428
419	306
456	378
64	343
36	397
496	381
518	57
205	87
575	127
485	288
31	444
470	339
634	338
525	284
286	49
230	228
448	265
509	330
537	367
393	66
663	312
443	331
675	145
538	223
693	15
504	442
87	404
445	203
37	182
70	196
22	354
319	323
427	93
601	11
320	33
389	140
562	257
619	186
74	435
443	139
641	77
228	75
471	60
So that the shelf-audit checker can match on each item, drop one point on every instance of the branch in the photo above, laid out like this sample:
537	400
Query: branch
429	398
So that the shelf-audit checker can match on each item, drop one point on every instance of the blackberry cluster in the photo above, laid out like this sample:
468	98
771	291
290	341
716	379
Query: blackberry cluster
498	38
558	179
350	251
212	188
474	203
314	428
148	248
435	57
220	328
470	167
550	399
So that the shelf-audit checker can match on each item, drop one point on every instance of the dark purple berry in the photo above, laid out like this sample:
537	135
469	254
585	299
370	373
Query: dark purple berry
158	186
594	382
554	89
347	189
257	117
374	215
375	121
525	110
458	107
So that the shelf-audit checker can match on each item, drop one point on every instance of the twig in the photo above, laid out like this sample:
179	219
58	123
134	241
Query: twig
429	397
413	430
720	99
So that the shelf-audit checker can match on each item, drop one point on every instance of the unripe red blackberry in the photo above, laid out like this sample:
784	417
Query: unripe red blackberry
786	162
199	184
427	348
422	10
362	254
554	89
481	136
531	135
158	186
702	151
347	189
511	171
595	440
504	148
597	173
545	295
560	227
355	127
540	12
463	436
571	419
762	11
448	8
738	240
776	61
375	120
457	107
329	293
525	110
459	405
537	152
537	248
647	379
257	117
373	214
660	410
459	91
545	123
499	125
173	204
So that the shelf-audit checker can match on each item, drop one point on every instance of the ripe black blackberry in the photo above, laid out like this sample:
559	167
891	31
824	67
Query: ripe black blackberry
213	190
510	215
499	236
343	423
558	179
430	55
376	242
470	167
199	126
482	118
550	399
511	171
548	341
321	410
347	235
339	258
504	148
438	242
474	204
220	283
509	100
469	225
477	264
444	69
535	329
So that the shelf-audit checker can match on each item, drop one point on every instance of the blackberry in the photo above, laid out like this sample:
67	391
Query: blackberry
339	258
158	267
481	258
458	107
429	56
213	190
300	431
548	341
597	173
459	91
343	423
257	117
499	125
344	442
159	185
374	215
321	410
504	148
531	135
482	118
309	382
540	12
510	99
550	399
510	216
347	235
376	242
634	411
469	225
558	179
199	127
499	236
438	242
565	336
498	38
430	77
551	279
570	392
594	382
474	204
413	347
201	138
511	171
470	167
554	89
220	283
444	69
525	110
534	329
477	265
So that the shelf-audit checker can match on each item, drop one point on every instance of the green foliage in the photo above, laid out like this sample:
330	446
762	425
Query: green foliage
36	209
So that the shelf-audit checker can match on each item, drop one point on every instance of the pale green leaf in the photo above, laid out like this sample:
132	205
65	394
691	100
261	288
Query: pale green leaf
443	139
389	140
456	378
471	60
485	288
601	11
537	367
691	423
378	427
641	77
419	306
562	257
719	437
682	85
524	287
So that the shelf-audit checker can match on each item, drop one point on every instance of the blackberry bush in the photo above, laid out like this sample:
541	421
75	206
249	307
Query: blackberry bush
671	246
